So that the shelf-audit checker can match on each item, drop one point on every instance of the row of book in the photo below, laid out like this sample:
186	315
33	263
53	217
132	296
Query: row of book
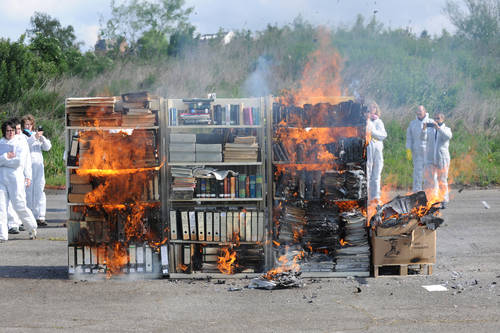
134	150
238	186
231	114
129	110
347	113
141	258
81	186
244	225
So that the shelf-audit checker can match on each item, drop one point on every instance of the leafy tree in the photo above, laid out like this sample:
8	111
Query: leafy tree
481	21
53	43
147	25
44	25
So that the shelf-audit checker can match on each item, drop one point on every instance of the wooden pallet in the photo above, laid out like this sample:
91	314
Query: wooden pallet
425	269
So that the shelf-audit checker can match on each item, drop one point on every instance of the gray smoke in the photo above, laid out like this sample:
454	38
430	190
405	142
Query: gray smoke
256	83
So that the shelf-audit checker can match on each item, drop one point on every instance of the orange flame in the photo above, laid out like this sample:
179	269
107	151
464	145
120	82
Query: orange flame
227	262
285	265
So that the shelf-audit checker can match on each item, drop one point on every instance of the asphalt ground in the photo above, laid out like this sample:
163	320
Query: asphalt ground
36	294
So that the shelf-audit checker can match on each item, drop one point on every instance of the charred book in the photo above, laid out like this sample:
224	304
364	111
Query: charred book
319	186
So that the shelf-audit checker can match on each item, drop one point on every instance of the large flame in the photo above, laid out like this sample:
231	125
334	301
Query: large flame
122	167
226	262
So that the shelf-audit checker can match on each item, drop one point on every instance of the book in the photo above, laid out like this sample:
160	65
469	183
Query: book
173	224
248	226
216	224
229	226
242	185
252	186
209	227
233	187
260	227
236	225
81	188
223	227
73	152
242	225
201	225
258	186
192	225
254	218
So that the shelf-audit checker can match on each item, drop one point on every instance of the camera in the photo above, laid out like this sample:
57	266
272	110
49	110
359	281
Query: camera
40	128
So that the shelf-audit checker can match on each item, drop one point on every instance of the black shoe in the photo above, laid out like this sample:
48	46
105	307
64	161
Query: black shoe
14	231
41	223
21	228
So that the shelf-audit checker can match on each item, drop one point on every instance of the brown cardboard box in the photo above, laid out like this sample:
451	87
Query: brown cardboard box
417	247
397	230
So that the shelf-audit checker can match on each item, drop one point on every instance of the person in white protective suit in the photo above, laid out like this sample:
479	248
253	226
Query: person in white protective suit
12	183
35	193
416	145
437	162
14	223
374	152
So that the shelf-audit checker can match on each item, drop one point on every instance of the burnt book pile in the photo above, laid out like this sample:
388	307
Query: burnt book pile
243	149
346	184
354	255
92	111
183	183
137	109
280	152
347	113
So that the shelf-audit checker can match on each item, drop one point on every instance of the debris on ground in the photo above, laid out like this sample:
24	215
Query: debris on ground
287	279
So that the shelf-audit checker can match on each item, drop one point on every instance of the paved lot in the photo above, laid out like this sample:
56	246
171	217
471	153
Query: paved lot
35	294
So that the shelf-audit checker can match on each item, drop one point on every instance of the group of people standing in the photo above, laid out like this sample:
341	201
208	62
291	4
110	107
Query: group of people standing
22	178
427	144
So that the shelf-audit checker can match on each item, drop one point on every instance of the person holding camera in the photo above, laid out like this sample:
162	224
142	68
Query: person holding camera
12	182
38	143
416	146
437	161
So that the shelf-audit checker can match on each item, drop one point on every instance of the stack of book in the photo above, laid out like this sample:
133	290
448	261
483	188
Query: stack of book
183	183
354	256
208	152
182	147
79	186
92	111
137	109
244	149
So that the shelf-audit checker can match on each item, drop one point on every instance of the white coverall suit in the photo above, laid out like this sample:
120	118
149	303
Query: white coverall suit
12	188
438	162
375	157
22	141
416	140
35	193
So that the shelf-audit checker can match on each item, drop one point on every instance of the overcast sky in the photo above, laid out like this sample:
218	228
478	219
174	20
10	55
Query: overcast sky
210	15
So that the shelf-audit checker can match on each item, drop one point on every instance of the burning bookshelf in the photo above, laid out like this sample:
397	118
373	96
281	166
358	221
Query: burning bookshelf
115	224
319	187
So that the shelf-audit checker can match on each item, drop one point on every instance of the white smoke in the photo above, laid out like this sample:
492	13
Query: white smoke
256	83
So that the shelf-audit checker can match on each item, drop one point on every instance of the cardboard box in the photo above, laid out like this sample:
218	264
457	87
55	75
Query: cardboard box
400	229
417	247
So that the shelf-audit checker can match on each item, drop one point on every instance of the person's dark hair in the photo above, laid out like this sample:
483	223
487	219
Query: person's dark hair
16	121
4	126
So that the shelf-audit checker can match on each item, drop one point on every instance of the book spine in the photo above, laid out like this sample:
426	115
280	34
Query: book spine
252	185
242	185
233	187
258	186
